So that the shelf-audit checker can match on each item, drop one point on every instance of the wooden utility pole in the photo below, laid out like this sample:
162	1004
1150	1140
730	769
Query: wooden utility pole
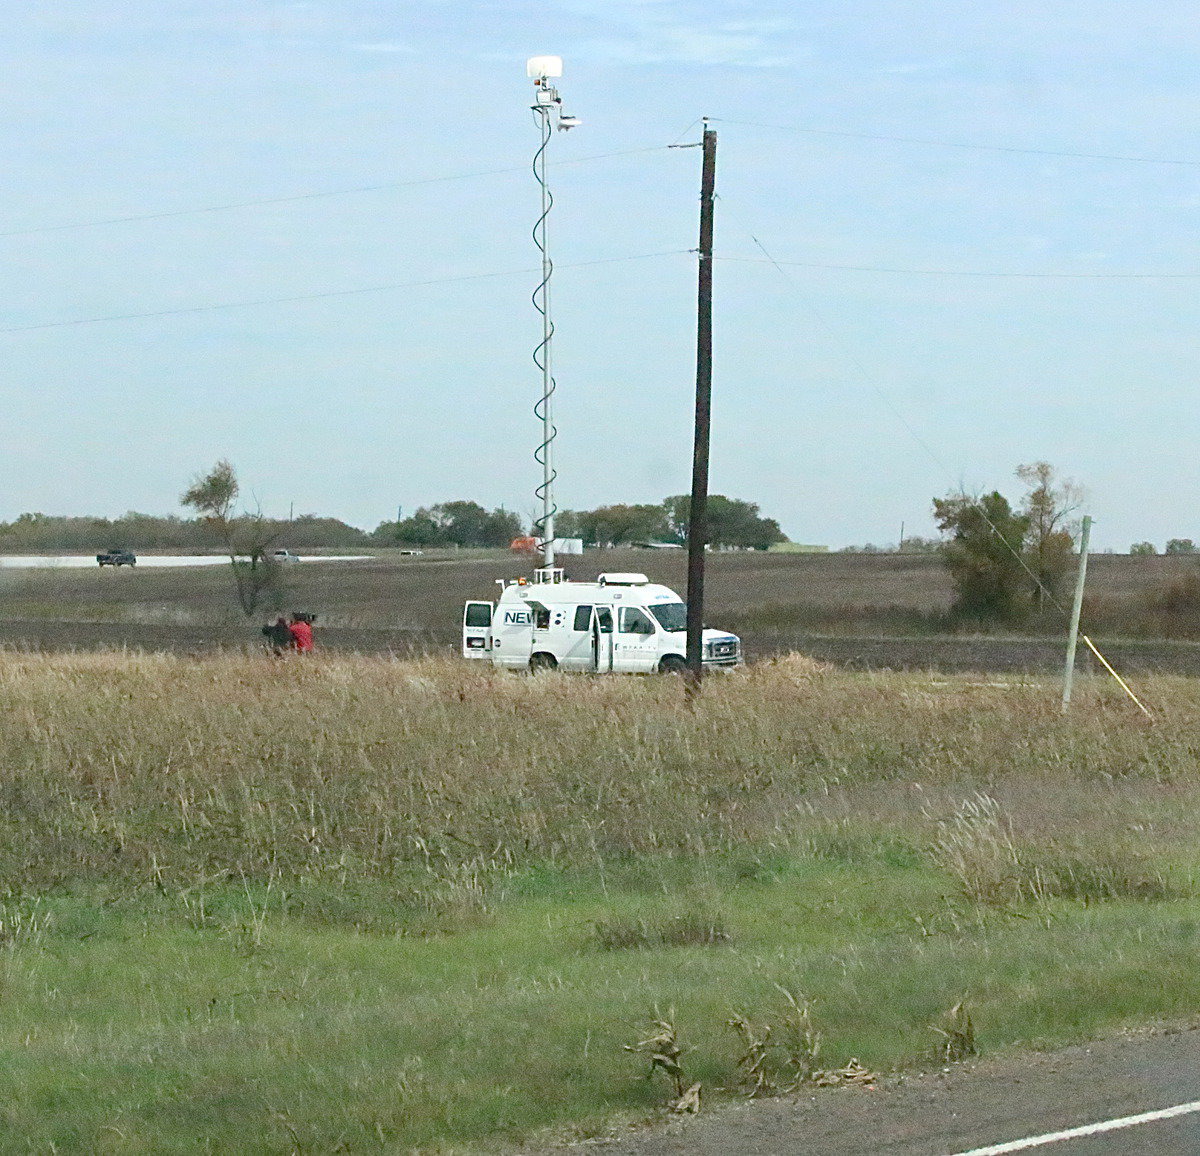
698	516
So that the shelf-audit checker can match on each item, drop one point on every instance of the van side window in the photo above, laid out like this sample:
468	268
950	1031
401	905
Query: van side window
541	619
604	619
633	621
583	618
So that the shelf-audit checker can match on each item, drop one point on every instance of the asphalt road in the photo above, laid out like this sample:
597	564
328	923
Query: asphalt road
961	1110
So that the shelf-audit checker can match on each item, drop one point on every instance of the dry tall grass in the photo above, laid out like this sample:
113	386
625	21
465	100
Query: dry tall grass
978	847
163	770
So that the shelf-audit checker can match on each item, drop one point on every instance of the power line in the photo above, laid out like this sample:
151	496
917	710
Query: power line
952	144
929	450
295	197
968	272
864	374
867	377
675	143
331	293
933	455
386	186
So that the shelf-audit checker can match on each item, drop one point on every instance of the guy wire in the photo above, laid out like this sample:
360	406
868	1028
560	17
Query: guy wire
866	377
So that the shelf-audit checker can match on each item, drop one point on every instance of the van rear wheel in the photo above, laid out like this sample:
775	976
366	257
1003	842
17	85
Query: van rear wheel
543	661
672	664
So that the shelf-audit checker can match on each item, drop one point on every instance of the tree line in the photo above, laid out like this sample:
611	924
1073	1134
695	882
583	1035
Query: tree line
732	522
447	524
460	523
1173	546
134	531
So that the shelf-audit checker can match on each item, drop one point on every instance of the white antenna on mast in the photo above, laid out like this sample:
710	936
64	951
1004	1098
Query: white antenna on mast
548	111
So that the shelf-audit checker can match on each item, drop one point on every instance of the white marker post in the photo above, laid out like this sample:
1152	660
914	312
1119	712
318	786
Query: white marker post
1076	608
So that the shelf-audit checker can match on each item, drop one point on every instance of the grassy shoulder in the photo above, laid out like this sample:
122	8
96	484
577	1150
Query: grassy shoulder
150	1026
365	905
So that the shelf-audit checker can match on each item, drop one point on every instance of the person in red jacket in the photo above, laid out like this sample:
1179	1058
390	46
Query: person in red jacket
301	628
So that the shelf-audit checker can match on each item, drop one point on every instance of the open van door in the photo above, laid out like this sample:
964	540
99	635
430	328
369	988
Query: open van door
477	630
602	639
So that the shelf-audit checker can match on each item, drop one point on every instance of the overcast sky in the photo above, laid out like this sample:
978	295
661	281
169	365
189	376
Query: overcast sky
849	386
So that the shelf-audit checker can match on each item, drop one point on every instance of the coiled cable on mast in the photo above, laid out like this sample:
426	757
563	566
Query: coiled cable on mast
541	302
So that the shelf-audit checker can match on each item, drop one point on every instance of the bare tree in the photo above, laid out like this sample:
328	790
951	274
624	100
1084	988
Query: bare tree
246	537
1050	505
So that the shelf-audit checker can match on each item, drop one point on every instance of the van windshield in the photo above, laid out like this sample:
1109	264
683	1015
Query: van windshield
670	615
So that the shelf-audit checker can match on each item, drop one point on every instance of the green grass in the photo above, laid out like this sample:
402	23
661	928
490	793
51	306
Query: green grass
126	1027
364	905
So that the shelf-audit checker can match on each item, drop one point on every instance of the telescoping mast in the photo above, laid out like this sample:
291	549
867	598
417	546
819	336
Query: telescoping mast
548	111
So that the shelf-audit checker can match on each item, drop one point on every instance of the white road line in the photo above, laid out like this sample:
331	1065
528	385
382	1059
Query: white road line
1084	1130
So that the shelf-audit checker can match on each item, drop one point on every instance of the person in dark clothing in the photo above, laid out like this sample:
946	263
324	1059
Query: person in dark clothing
279	637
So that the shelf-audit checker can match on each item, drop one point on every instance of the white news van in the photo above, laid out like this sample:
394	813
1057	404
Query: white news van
619	623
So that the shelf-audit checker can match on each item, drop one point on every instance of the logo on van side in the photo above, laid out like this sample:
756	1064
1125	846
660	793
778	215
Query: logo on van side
518	618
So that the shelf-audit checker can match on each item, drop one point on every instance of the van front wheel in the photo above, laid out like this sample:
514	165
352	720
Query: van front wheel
543	661
672	664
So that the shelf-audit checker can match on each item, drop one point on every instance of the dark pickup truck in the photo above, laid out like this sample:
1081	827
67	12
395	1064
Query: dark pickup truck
117	558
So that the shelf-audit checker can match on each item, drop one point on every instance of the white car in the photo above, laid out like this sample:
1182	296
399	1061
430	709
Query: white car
285	557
